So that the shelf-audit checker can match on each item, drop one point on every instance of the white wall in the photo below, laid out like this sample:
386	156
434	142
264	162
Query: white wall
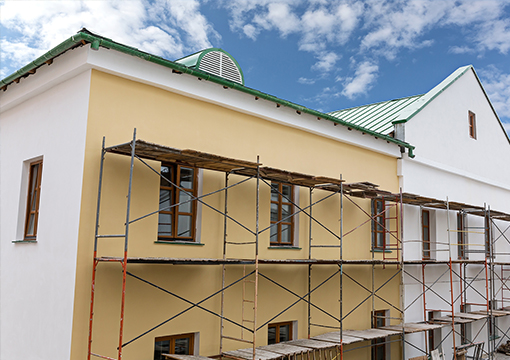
449	164
41	117
440	133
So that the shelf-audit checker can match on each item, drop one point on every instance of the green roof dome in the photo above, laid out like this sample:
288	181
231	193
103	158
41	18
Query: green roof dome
215	61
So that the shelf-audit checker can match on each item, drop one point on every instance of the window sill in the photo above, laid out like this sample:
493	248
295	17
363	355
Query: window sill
178	243
24	241
284	247
381	251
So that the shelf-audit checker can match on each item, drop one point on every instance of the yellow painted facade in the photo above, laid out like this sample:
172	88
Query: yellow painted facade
116	107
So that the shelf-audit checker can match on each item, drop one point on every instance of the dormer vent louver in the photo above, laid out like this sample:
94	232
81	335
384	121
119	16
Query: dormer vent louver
215	61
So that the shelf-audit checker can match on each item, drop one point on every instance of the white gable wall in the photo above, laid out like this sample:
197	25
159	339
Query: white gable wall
38	279
448	161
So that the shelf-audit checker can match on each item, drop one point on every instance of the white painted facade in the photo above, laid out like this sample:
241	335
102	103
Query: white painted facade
449	164
41	118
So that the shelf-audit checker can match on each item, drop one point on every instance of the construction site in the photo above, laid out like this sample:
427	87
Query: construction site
461	305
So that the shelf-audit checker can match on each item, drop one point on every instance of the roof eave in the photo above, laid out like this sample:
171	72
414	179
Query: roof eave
96	41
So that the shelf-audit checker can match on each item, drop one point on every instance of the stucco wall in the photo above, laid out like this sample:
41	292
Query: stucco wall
117	106
37	279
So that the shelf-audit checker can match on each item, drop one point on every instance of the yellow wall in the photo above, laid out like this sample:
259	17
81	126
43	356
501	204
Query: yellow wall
117	106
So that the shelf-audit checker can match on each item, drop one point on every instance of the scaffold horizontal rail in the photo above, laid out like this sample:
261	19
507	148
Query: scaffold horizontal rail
209	261
410	328
185	357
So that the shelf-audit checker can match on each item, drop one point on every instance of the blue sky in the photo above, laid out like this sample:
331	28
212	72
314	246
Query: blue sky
326	55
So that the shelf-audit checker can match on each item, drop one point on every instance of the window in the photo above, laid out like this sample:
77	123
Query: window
176	344
279	332
379	345
282	223
488	244
379	224
472	124
465	328
425	225
492	323
177	222
461	236
434	336
34	193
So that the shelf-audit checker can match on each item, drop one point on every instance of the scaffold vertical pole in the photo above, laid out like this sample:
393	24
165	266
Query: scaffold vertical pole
402	292
94	266
341	267
224	257
126	237
255	302
492	340
451	275
310	197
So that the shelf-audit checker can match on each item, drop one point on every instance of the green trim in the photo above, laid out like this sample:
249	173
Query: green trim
24	241
177	242
381	251
88	37
284	247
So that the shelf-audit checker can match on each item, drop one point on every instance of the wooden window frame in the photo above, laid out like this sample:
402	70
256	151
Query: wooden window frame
472	124
172	338
378	343
379	218
425	229
279	203
174	211
461	236
277	330
33	200
488	242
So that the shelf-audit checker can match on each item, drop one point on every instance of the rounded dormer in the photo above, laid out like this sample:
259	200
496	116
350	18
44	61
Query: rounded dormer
215	61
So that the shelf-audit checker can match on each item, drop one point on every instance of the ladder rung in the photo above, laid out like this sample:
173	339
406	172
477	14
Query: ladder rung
250	321
237	339
250	281
250	301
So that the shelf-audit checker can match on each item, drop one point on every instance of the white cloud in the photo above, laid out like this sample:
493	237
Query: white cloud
364	77
327	61
461	50
169	28
400	24
394	25
306	81
250	31
497	85
495	35
319	24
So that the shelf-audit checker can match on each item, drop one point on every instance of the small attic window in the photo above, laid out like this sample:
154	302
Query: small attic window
472	124
214	61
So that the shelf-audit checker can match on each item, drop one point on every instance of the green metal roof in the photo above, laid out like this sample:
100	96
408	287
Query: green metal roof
84	37
381	117
377	117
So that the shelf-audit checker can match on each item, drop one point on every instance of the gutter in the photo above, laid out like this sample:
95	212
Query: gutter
84	36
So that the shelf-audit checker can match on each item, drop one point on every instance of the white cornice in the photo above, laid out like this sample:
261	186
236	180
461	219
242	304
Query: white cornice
82	59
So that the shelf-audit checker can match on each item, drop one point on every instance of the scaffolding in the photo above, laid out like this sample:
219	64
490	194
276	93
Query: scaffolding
331	344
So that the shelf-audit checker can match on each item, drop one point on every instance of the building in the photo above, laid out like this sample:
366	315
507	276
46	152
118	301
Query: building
460	172
244	211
